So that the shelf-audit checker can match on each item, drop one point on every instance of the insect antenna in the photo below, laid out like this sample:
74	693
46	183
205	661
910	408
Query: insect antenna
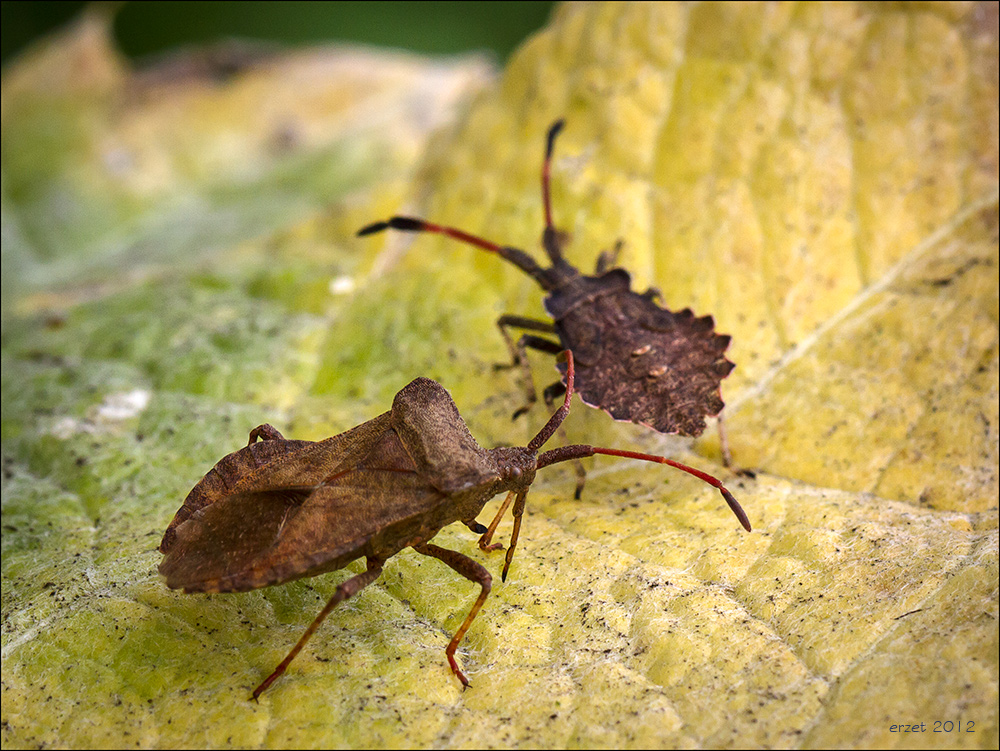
550	236
546	165
520	496
580	451
551	239
411	224
560	414
566	453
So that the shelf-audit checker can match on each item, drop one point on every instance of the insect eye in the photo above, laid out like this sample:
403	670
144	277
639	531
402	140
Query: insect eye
515	471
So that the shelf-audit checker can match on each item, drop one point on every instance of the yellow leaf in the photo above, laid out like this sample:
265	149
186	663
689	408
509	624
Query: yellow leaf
822	179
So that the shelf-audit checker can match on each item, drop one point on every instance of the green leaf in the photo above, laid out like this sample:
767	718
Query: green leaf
822	179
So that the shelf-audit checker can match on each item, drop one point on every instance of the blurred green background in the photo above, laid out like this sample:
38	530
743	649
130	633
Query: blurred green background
149	28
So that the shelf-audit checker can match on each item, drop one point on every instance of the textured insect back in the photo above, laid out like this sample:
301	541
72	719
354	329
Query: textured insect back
663	370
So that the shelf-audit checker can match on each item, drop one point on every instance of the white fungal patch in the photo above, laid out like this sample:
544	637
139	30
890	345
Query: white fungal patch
123	406
68	427
114	409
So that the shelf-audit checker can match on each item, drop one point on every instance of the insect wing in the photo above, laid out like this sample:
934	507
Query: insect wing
216	548
317	461
222	479
375	503
275	464
374	509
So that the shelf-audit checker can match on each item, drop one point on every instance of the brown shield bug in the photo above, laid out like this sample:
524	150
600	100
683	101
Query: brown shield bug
635	360
279	510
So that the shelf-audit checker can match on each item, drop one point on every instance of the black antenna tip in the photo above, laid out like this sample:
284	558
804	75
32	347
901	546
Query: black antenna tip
407	223
371	229
737	509
553	132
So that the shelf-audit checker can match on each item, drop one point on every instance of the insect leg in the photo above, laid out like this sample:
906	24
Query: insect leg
518	513
348	589
484	541
472	571
552	392
519	357
542	345
727	454
265	432
609	258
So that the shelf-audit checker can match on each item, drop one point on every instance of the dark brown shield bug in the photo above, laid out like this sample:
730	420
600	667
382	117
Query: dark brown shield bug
636	360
